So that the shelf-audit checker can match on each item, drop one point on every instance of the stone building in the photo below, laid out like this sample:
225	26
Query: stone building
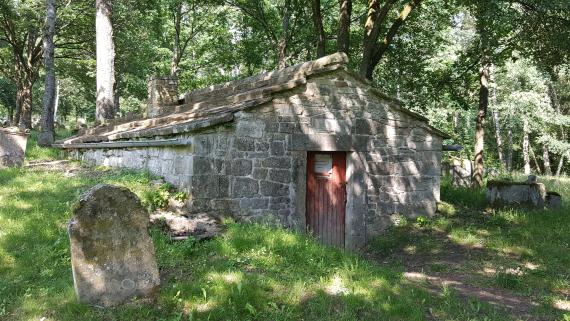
313	145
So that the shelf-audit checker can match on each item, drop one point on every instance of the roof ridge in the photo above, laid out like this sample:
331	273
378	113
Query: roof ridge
266	79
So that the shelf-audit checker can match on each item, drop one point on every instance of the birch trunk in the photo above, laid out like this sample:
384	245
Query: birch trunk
560	164
510	150
56	105
105	109
343	38
47	134
533	155
456	119
546	160
525	147
555	102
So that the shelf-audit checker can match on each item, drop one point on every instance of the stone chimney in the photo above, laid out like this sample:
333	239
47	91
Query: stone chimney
162	92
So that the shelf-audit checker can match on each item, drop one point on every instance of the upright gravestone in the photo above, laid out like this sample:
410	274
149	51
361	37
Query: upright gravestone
12	147
112	255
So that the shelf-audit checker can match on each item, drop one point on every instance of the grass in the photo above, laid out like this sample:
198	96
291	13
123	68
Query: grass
257	272
34	152
524	252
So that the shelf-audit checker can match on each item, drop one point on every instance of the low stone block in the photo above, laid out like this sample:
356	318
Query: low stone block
112	255
501	193
553	200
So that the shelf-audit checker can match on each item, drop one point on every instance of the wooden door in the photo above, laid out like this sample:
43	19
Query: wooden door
326	196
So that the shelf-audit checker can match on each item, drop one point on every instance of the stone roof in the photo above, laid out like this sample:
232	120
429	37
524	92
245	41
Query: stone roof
216	104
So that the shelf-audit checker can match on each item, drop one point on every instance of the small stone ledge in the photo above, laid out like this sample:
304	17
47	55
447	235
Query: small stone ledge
526	194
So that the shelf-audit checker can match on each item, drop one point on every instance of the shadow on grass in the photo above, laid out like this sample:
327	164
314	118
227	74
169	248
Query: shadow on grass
518	252
252	272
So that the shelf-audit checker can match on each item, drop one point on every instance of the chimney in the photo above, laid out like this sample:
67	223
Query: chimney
162	92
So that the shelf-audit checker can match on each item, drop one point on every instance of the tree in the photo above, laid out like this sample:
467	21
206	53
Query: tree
105	109
373	50
484	79
20	29
343	38
320	35
47	135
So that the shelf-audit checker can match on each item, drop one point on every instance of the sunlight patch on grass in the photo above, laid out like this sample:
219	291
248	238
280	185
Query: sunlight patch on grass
467	237
516	250
336	286
562	305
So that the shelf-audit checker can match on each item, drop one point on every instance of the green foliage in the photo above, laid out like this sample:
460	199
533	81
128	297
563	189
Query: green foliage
157	198
37	153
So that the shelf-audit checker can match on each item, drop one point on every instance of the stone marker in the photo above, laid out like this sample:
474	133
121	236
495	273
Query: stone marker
461	172
12	147
112	255
529	193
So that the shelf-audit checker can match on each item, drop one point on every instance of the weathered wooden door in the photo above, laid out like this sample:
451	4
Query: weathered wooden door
326	196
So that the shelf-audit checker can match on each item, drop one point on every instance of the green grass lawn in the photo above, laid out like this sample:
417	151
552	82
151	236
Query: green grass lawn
256	272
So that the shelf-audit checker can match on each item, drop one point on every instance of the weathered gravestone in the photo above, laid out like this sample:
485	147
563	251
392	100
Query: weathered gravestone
12	147
112	255
461	171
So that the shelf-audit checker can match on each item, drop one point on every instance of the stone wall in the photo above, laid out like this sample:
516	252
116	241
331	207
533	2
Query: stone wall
256	166
175	164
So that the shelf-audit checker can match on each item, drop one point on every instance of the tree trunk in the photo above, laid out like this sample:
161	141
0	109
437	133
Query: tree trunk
285	36
320	31
105	109
343	38
176	48
556	103
375	19
479	166
56	105
47	134
379	51
536	164
525	147
19	103
496	120
456	119
11	114
25	121
560	164
546	160
510	150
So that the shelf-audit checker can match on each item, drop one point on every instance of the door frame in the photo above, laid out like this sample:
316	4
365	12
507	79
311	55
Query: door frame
334	228
356	195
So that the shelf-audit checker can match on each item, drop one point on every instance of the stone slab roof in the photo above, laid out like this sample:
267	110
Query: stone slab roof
216	104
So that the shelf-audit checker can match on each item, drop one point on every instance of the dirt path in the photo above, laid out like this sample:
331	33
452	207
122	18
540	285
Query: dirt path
456	262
